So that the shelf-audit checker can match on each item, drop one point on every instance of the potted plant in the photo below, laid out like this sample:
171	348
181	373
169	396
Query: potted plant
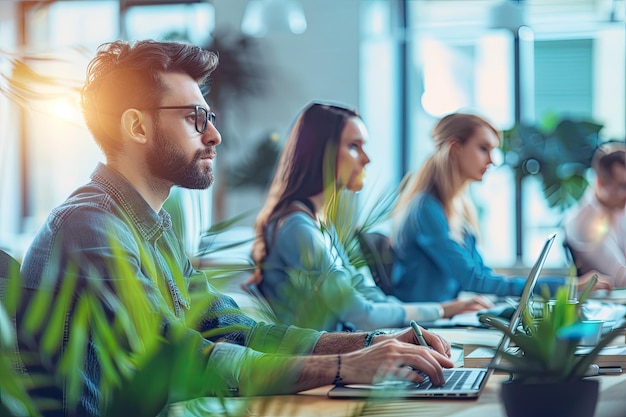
559	150
547	374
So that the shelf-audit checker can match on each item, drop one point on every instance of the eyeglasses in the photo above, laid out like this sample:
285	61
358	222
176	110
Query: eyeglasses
202	115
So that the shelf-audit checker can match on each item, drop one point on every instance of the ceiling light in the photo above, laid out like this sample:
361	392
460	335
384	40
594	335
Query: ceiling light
273	16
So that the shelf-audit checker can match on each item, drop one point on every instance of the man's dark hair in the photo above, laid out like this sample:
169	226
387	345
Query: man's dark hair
606	156
126	75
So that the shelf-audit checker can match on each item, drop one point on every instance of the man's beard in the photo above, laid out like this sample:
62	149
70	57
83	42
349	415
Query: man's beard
167	162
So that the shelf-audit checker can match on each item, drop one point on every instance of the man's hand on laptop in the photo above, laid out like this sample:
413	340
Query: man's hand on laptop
604	282
434	341
392	359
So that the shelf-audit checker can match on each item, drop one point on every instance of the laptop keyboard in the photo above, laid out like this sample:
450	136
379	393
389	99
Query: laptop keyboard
455	379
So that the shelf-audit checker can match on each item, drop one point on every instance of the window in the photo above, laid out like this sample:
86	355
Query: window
458	57
50	150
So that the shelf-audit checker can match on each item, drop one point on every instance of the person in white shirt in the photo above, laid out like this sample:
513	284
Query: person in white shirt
595	229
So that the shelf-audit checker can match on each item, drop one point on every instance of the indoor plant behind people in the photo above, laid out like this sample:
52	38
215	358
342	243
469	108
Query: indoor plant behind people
547	376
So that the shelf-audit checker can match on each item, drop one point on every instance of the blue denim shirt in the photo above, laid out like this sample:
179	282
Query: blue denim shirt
106	222
431	266
309	281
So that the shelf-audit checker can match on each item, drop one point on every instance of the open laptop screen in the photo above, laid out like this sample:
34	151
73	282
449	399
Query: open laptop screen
527	293
460	382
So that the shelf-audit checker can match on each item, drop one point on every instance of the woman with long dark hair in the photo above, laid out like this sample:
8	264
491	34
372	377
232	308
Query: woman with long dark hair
306	274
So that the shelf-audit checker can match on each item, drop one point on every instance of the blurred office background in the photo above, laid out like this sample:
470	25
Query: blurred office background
402	63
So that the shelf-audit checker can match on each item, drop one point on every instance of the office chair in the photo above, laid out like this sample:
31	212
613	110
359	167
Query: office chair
10	267
379	256
571	258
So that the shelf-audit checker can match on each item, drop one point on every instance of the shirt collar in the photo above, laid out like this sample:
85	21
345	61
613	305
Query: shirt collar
150	224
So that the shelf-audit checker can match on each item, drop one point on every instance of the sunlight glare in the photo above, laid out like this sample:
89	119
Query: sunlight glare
442	92
64	109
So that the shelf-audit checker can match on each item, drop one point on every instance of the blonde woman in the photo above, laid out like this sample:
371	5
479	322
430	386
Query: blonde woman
435	228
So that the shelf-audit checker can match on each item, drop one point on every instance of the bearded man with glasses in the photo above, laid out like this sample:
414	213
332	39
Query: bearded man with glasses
144	107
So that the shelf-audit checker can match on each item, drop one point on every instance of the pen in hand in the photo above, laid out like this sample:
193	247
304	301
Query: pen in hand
418	334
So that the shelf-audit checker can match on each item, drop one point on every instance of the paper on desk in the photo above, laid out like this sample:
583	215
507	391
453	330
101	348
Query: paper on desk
480	337
609	356
607	312
616	295
458	320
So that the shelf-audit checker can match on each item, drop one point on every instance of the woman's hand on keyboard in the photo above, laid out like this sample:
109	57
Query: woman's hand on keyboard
476	303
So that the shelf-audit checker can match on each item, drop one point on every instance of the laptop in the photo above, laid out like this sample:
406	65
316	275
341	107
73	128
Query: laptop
460	382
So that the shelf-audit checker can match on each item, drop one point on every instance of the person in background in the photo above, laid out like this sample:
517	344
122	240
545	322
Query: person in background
434	223
595	228
305	271
143	104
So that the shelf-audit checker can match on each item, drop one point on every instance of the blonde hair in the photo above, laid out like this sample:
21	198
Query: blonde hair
440	175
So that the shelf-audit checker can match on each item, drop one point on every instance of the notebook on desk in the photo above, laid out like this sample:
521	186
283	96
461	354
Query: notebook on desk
460	382
616	296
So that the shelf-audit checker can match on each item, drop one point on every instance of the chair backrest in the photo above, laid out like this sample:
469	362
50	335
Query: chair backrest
9	267
571	257
379	255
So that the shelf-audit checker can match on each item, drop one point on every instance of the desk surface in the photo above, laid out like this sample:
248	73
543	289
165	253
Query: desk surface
612	401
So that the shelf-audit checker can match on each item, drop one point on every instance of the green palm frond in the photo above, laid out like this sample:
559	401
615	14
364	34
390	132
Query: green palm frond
214	246
14	398
132	350
345	214
125	323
